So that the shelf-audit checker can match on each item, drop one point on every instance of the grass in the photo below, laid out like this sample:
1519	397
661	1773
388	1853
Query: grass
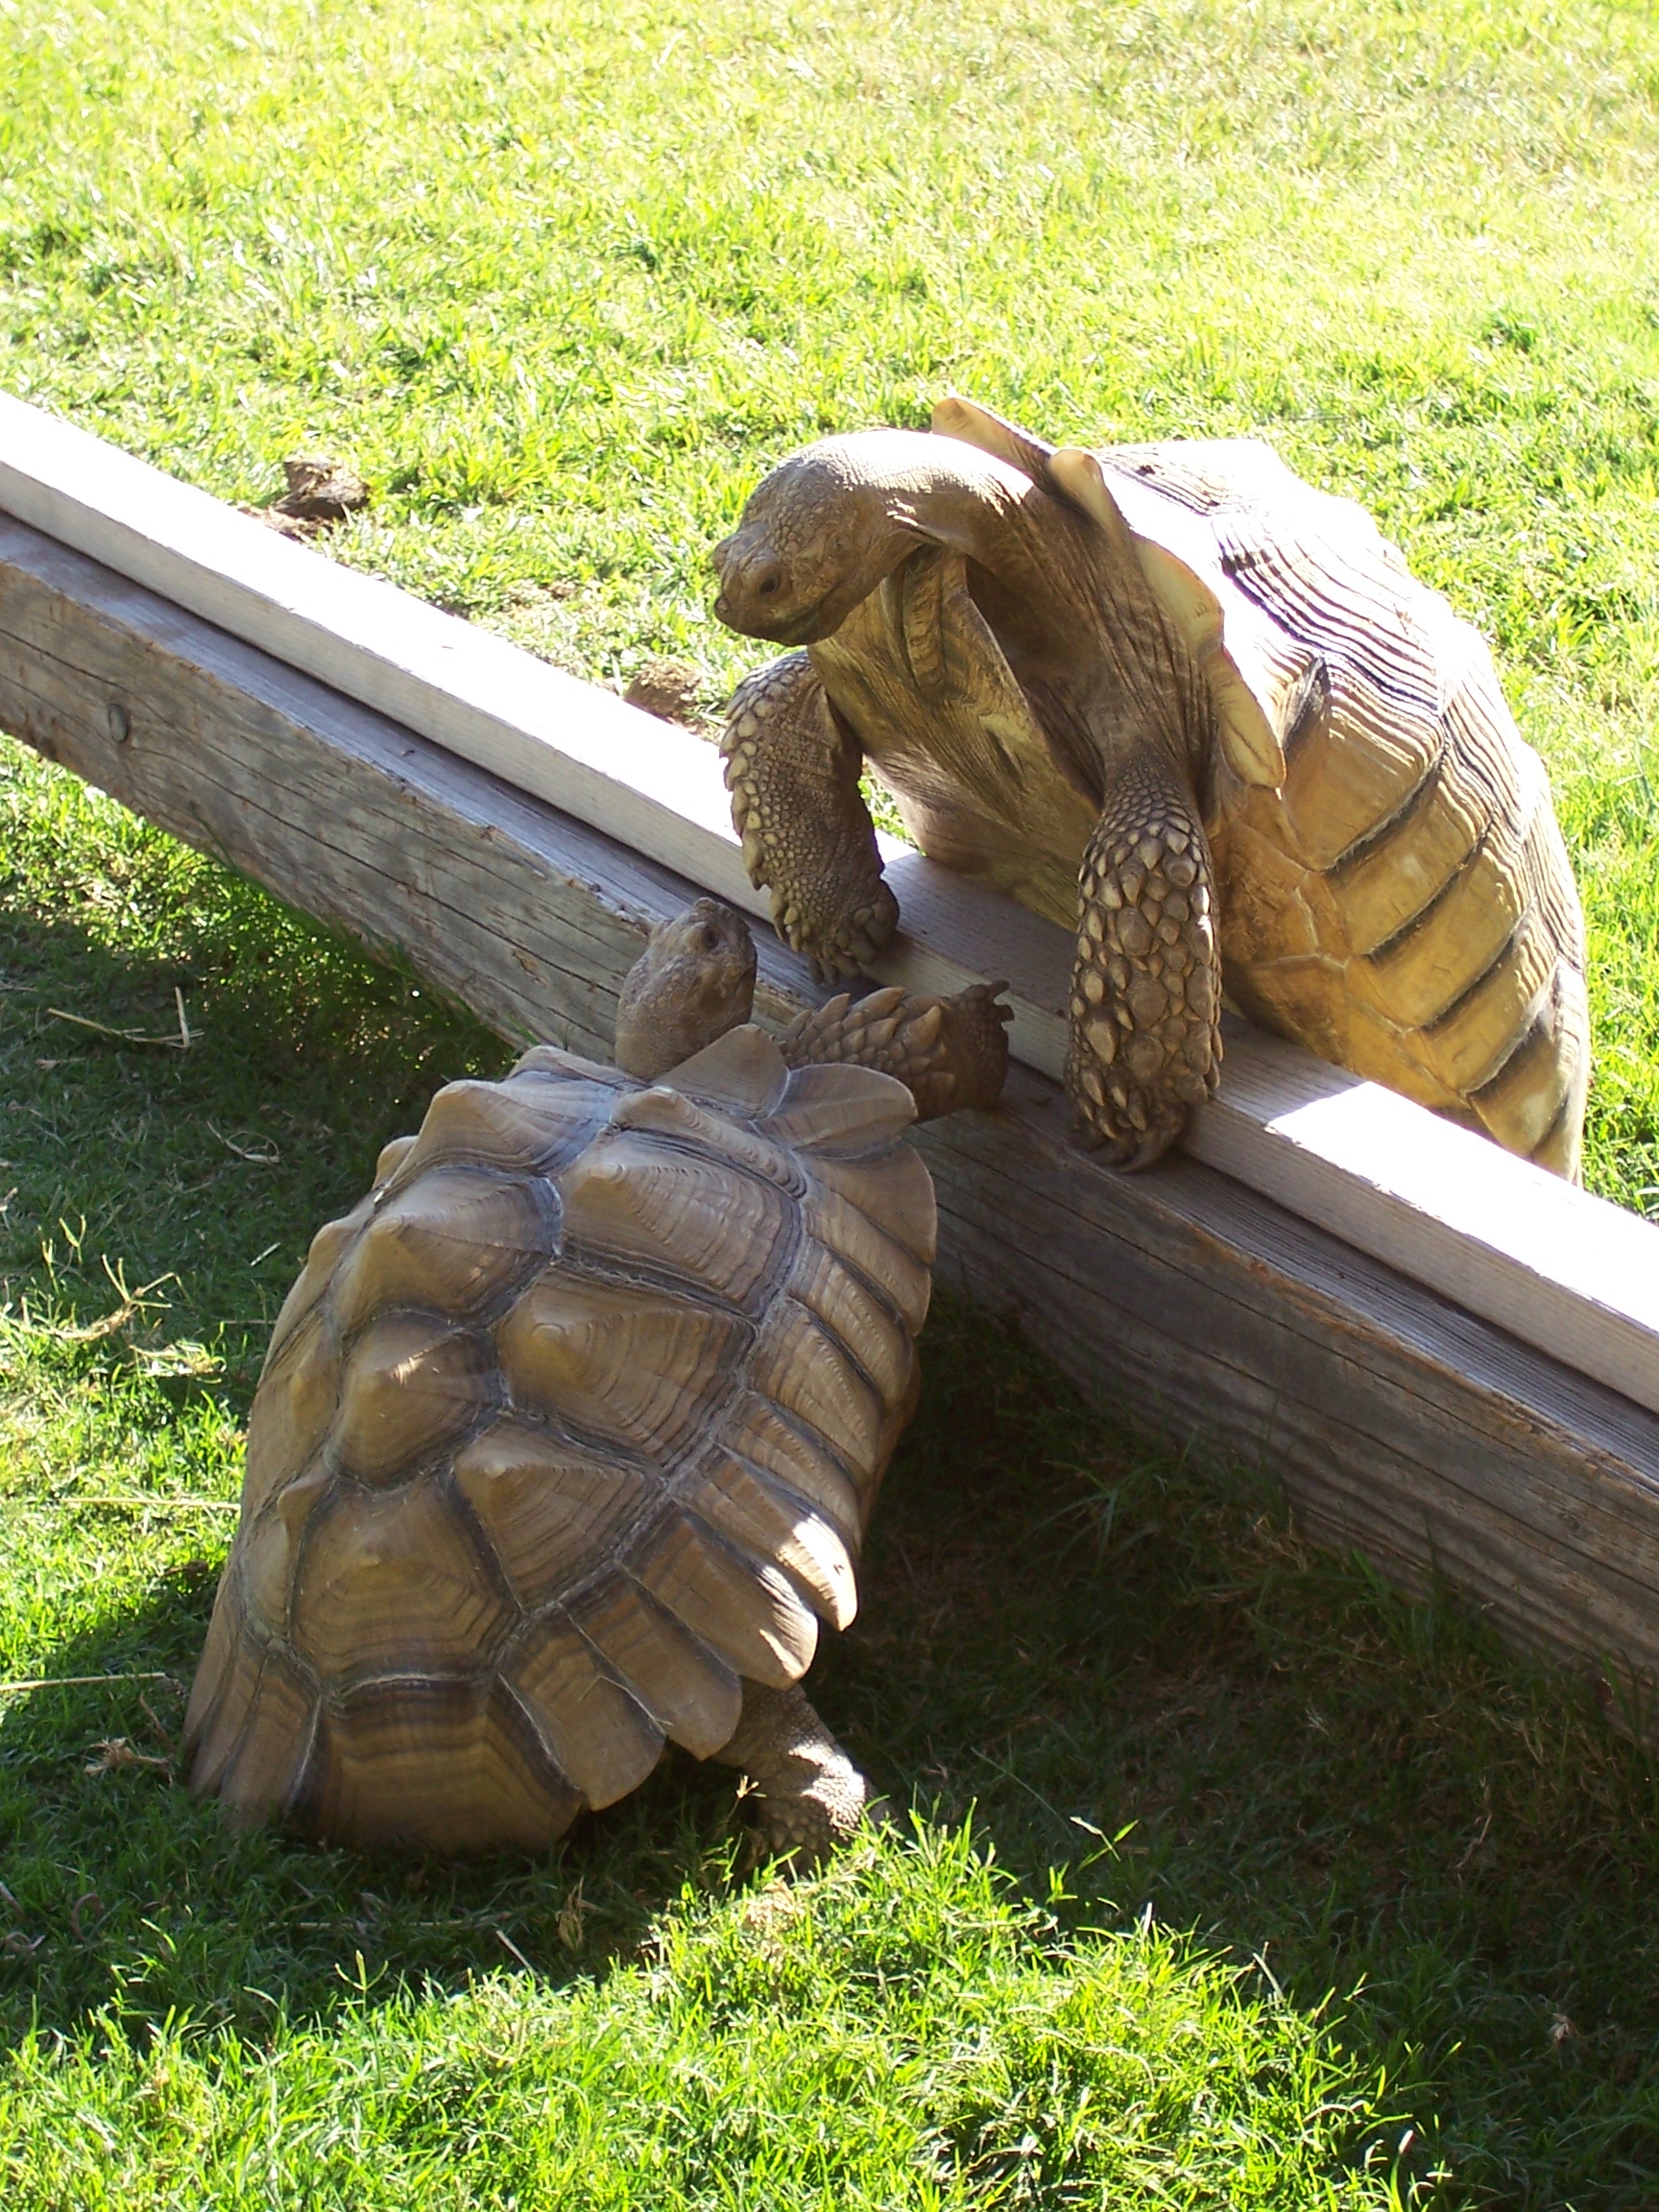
563	281
1240	1881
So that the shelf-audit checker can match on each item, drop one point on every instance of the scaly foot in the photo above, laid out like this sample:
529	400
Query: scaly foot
793	776
1147	988
808	1797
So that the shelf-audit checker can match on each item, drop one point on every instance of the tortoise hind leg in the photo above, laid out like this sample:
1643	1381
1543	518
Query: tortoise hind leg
1146	987
792	771
811	1796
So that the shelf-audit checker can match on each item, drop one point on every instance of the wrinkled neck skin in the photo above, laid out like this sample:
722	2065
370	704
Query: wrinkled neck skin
1077	623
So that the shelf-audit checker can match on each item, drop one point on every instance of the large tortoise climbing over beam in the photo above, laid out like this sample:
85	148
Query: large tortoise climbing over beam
569	1434
1175	699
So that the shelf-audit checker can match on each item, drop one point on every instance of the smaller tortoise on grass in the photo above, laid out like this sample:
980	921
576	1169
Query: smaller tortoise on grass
569	1434
1181	703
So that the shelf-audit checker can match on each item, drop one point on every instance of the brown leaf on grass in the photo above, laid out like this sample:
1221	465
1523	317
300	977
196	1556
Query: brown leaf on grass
267	1156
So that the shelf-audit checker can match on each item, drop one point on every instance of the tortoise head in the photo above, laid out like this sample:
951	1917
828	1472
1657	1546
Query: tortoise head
694	980
823	530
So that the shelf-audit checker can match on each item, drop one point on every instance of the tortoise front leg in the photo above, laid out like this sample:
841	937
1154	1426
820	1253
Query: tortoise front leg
949	1052
810	1795
793	775
1147	988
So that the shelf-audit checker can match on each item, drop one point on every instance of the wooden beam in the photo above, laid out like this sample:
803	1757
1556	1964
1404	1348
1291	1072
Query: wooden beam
1182	1300
1575	1277
1566	1272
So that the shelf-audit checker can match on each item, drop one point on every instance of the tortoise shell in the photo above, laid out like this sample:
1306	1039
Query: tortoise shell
573	1424
1395	890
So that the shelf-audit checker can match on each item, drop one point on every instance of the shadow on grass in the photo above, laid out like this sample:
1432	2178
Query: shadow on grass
132	1896
209	1166
1115	1664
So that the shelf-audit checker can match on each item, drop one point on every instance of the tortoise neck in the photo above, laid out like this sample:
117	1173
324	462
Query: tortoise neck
1077	622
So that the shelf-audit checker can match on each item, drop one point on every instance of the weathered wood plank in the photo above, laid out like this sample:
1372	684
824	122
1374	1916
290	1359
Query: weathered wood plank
1565	1271
1575	1277
1201	1308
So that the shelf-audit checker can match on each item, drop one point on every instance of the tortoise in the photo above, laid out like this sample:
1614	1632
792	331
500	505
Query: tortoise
568	1432
1176	700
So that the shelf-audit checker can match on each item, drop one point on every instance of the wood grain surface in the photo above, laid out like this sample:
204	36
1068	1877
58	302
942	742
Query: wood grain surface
1194	1306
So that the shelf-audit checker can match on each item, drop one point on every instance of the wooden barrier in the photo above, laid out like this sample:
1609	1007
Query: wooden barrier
1574	1277
1186	1299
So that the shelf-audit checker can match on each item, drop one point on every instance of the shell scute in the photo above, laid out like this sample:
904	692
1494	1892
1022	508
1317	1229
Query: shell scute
867	1330
842	1111
293	1409
801	1368
802	1462
669	1113
434	1765
390	1159
551	1512
742	1072
1536	1101
390	1583
742	1609
1362	772
895	1190
843	1226
642	1368
513	1128
456	1240
692	1693
271	1549
648	1202
545	1068
598	1735
264	1767
413	1386
320	1261
1472	1039
1394	880
764	1520
1422	973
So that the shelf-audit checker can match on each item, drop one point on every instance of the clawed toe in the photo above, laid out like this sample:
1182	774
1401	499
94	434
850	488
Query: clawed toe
1123	1142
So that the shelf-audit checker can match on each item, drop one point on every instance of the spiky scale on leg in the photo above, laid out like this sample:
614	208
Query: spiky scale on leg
951	1053
808	1795
793	775
1146	990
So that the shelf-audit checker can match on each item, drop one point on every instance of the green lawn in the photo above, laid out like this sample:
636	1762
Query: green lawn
1348	1895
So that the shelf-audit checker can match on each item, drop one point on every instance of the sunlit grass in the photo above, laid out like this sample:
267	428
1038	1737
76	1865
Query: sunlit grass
562	280
562	283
